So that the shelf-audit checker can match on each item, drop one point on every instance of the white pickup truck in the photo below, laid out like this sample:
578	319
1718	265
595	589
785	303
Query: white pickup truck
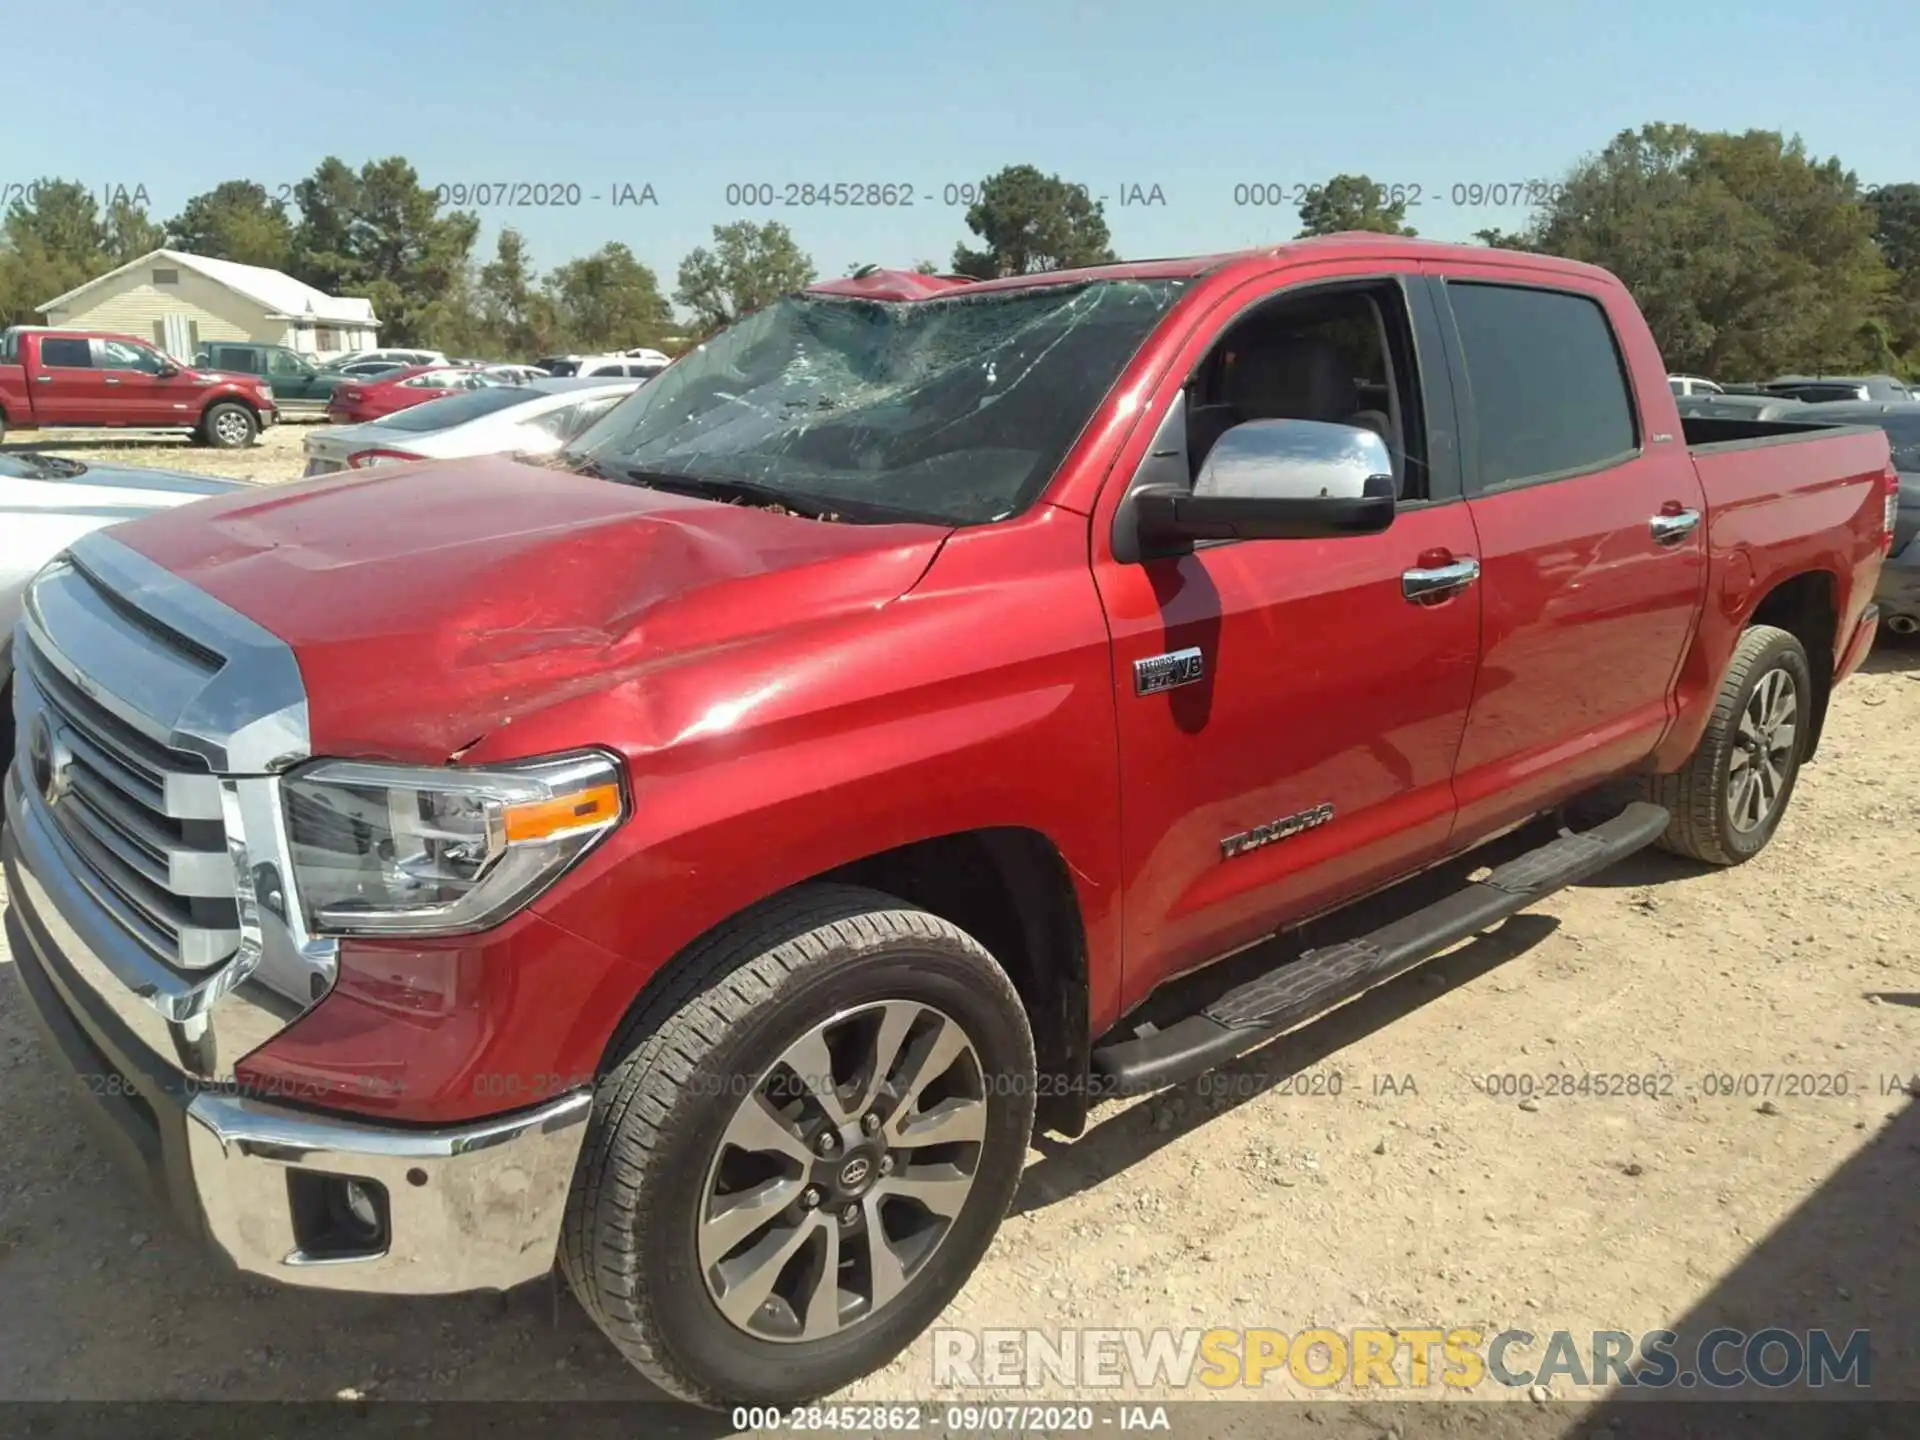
46	503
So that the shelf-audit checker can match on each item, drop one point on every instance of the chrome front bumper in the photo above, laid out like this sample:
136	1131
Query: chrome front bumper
478	1207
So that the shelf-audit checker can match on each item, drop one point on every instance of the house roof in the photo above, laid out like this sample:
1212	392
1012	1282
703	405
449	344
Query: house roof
283	295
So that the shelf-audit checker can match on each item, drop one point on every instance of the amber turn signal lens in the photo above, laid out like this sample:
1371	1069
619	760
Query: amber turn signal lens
544	819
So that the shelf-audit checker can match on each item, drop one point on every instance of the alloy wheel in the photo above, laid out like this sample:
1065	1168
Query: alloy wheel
1763	751
841	1171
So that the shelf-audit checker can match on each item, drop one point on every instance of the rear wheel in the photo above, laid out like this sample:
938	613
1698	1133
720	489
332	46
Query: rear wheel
229	426
1728	799
803	1146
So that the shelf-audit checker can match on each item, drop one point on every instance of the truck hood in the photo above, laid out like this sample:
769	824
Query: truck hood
429	604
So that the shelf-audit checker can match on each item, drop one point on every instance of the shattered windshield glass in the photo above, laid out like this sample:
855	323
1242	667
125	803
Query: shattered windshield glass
955	409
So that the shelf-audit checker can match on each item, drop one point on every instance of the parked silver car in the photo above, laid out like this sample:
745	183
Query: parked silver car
533	419
49	502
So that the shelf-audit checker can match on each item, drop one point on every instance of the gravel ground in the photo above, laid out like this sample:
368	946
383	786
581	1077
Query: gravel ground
274	457
1419	1195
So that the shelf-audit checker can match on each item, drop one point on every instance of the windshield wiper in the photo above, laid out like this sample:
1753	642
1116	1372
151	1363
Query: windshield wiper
814	507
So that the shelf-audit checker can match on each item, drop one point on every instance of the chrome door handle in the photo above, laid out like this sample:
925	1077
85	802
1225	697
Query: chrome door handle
109	380
1419	585
1672	529
44	379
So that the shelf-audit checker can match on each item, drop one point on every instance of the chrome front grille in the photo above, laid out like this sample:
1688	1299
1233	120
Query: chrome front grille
143	818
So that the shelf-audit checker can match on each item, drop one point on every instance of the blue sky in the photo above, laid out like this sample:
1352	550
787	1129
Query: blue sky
1195	99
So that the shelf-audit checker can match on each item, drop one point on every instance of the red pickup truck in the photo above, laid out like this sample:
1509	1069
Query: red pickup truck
699	863
95	379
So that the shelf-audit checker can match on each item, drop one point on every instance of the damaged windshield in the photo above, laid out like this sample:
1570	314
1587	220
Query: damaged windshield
957	409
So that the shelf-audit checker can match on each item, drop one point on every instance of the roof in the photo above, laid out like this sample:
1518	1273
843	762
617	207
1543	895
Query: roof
283	295
909	285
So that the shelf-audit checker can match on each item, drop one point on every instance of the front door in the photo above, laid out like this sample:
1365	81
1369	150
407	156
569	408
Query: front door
1322	702
1592	539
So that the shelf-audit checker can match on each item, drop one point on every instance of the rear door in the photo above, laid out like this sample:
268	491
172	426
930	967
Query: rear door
67	388
1592	538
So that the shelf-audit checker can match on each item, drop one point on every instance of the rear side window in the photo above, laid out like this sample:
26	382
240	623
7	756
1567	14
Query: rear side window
1548	391
66	354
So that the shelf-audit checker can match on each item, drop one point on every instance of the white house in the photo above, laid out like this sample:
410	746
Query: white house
184	301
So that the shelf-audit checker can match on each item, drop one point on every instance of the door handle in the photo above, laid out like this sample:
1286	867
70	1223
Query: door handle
109	380
44	379
1442	580
1672	529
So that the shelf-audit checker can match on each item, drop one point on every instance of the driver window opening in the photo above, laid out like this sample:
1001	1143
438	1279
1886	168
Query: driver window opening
1344	356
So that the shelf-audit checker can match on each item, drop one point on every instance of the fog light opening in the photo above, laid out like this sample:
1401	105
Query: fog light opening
338	1217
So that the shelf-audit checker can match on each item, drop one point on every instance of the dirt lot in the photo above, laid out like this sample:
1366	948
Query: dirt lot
276	456
1420	1195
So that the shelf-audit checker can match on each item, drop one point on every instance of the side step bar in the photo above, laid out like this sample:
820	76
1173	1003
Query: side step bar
1254	1013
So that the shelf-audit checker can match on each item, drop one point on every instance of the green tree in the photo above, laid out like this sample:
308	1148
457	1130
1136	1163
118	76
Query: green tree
236	220
748	266
128	232
1896	215
1504	239
380	234
609	301
1352	202
1032	222
515	316
1747	256
51	240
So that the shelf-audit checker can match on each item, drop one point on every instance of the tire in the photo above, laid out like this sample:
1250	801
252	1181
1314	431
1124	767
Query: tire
1713	810
228	426
680	1076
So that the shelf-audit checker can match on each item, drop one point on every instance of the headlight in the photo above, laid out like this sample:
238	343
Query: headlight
395	850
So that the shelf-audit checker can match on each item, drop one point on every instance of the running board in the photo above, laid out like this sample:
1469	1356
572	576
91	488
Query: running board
1254	1013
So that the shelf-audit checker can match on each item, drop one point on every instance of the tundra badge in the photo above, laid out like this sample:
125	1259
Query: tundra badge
1274	830
1164	672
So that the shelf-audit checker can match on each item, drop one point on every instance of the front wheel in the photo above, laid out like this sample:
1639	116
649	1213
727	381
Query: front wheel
802	1147
1728	799
229	426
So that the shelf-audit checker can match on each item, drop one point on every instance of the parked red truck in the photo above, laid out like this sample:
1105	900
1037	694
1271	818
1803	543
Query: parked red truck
96	379
700	864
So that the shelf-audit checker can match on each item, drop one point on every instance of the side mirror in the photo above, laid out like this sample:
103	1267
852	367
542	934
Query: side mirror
1276	480
167	370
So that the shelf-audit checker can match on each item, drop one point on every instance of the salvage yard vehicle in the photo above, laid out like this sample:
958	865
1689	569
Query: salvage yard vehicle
533	419
357	401
1899	592
300	387
96	379
50	501
706	863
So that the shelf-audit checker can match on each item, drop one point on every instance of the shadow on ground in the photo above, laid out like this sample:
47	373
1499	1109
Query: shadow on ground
1846	1262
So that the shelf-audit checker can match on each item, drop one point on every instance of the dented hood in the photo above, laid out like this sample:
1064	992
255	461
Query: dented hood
428	605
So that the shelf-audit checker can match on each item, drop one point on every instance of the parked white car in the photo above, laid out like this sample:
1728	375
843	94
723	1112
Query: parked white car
401	358
589	367
49	502
1689	385
534	419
